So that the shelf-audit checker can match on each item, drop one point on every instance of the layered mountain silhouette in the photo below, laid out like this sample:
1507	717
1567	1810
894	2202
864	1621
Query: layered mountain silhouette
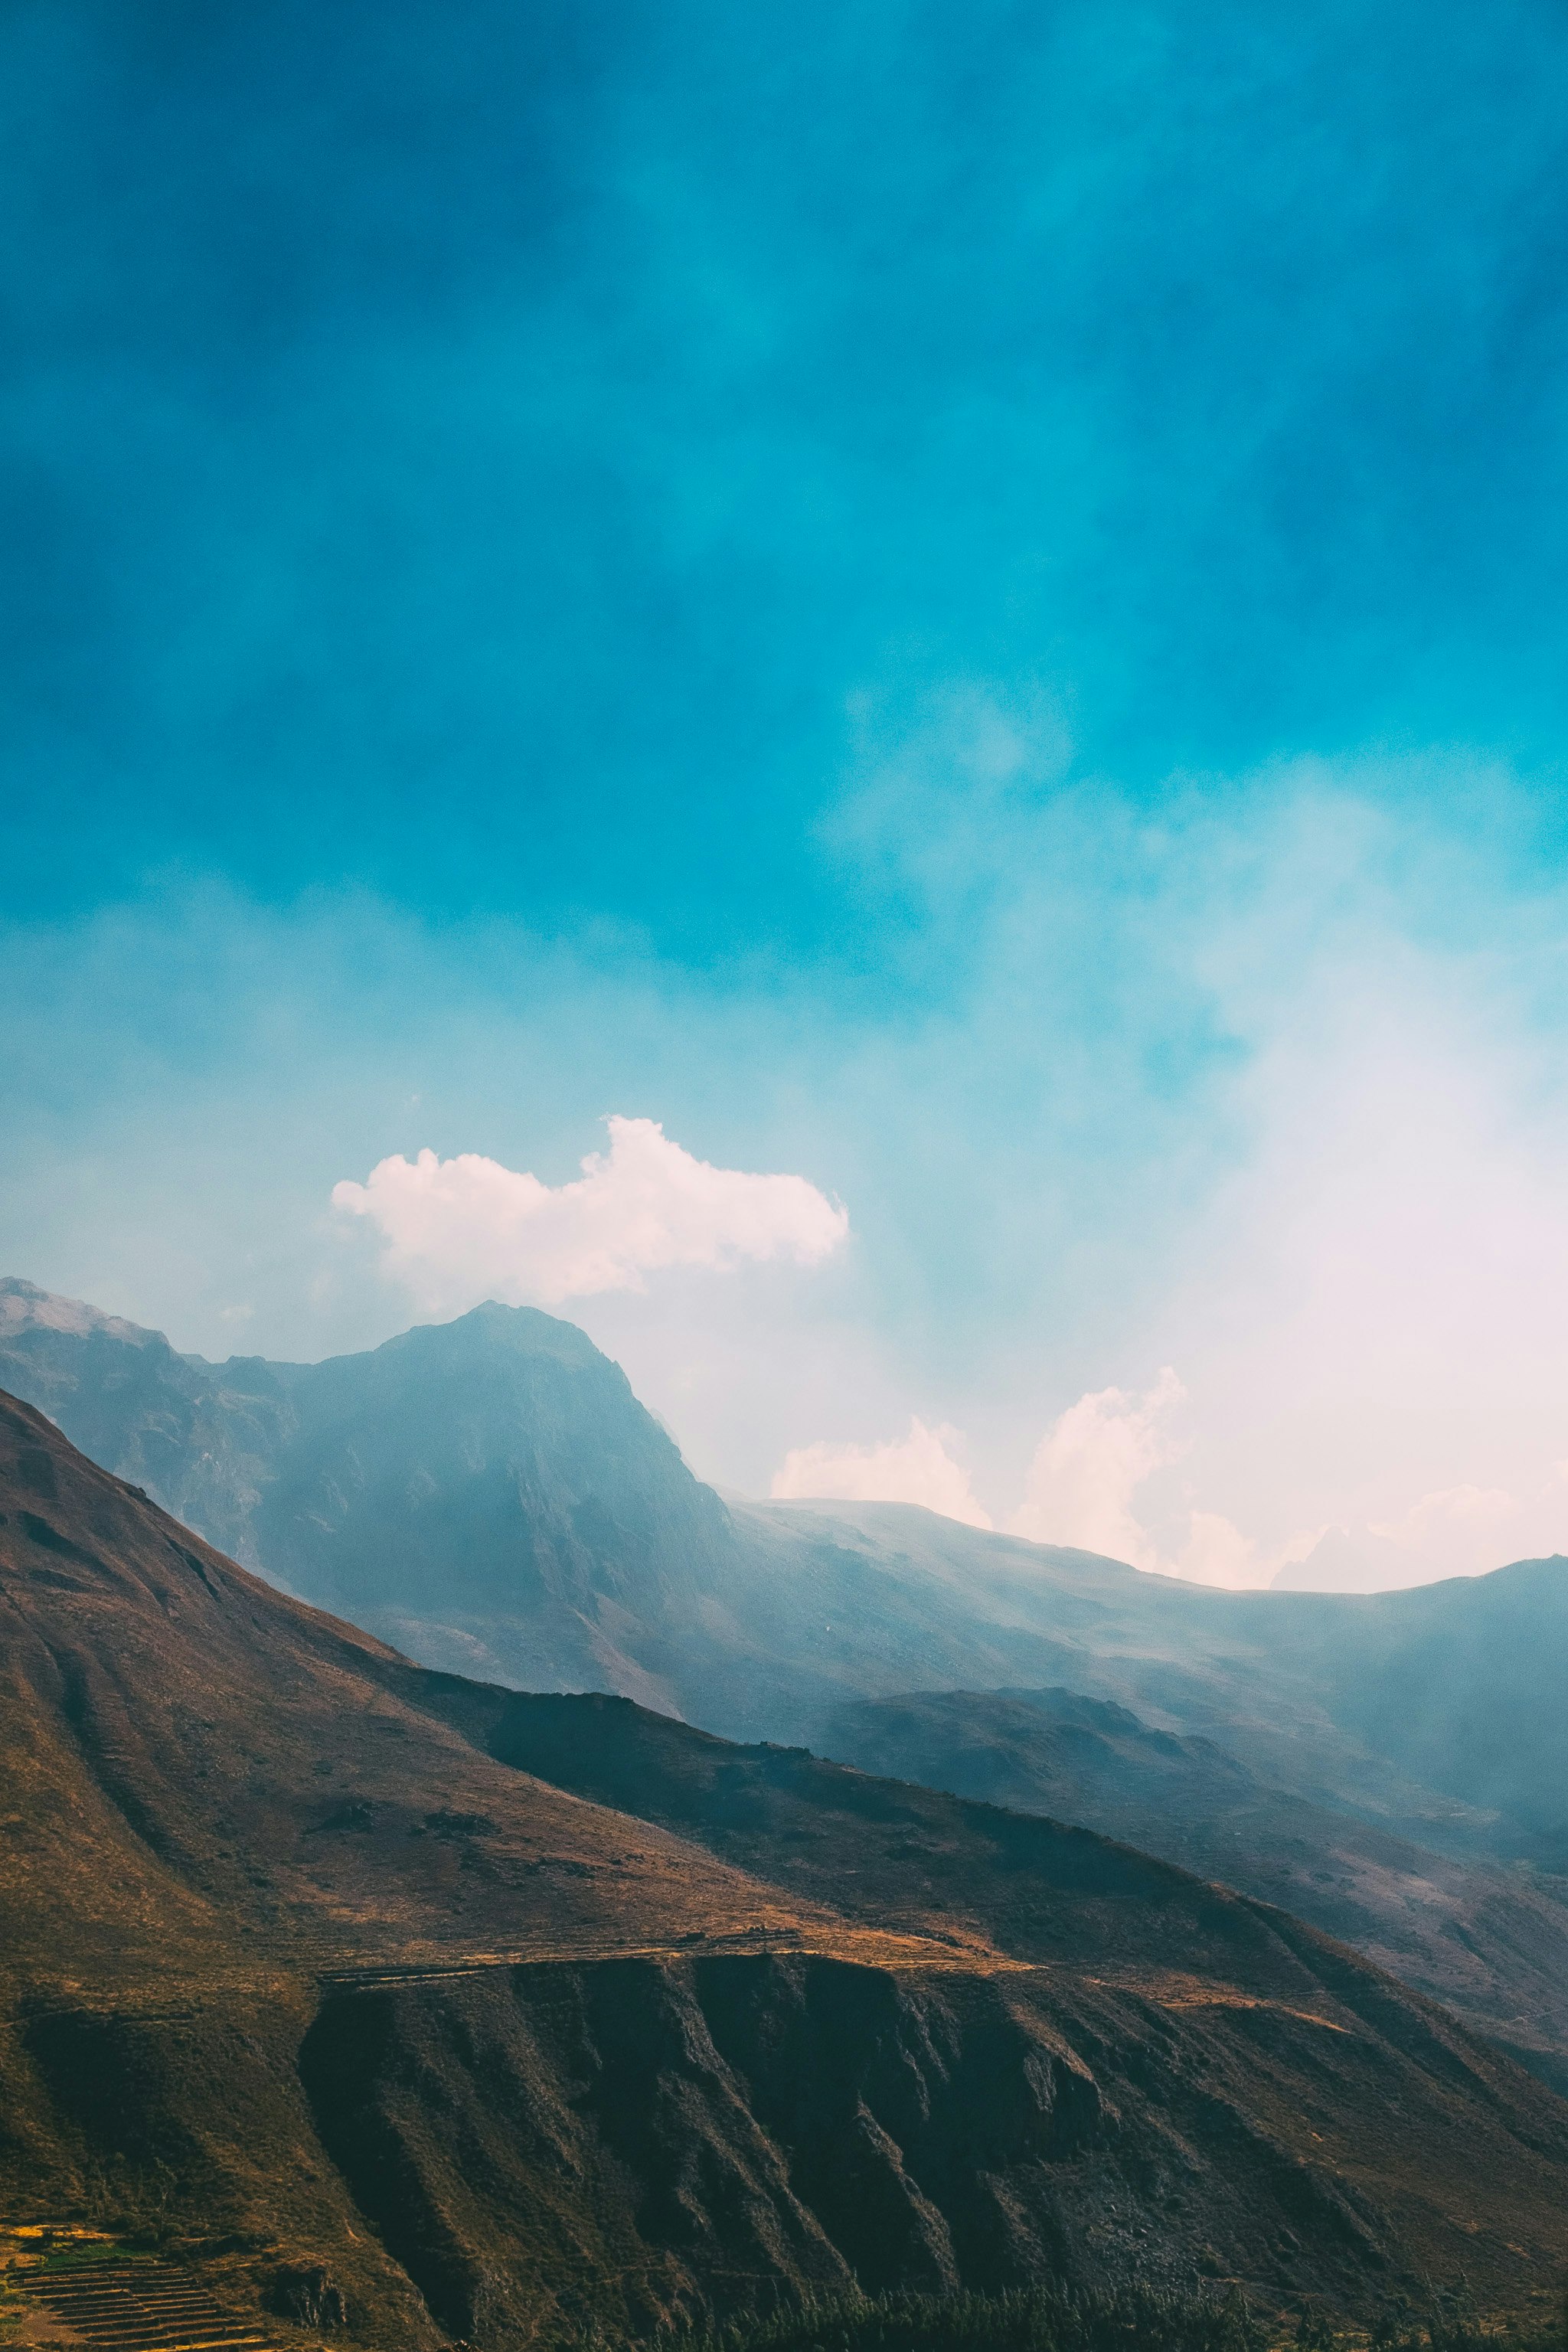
490	1496
1490	1939
492	1483
492	2006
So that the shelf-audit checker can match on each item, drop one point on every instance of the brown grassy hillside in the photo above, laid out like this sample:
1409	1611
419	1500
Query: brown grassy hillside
511	2014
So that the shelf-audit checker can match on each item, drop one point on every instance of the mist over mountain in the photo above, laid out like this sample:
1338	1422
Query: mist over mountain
492	1491
490	1496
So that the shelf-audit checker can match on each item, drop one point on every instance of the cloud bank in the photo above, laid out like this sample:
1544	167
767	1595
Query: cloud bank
456	1231
1082	1489
915	1469
1086	1489
1089	1463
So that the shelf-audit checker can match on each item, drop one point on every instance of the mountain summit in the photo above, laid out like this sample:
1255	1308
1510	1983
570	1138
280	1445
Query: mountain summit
490	1489
490	1494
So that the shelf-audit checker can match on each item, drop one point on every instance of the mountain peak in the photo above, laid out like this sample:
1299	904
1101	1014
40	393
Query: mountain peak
523	1330
24	1308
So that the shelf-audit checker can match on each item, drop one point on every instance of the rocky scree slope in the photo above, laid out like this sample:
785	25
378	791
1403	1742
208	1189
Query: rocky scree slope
512	2013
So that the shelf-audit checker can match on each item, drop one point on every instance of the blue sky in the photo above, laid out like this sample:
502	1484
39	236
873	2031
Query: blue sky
968	604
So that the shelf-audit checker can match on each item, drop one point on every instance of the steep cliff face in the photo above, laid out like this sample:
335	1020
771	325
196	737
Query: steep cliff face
488	2150
701	2132
535	1501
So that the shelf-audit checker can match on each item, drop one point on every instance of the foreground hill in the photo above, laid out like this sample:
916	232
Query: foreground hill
490	1496
494	2007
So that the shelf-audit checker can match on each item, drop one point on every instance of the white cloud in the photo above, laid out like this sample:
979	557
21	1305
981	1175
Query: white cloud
1082	1482
1090	1463
1087	1471
1461	1514
1454	1531
460	1230
915	1469
1088	1467
1081	1486
1217	1552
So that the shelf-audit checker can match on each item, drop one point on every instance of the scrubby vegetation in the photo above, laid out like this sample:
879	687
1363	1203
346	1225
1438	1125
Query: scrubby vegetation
1039	2319
1050	2319
1449	2323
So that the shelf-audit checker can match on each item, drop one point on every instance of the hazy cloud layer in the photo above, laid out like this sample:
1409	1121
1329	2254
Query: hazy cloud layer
693	524
1090	1464
1082	1489
1086	1481
918	1468
460	1230
1086	1485
1274	1091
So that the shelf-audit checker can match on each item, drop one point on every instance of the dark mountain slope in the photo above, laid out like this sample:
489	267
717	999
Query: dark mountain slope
1490	1942
317	1954
907	1856
178	1733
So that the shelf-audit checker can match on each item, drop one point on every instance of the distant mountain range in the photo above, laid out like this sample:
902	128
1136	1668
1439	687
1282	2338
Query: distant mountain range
1488	1938
490	1496
504	2016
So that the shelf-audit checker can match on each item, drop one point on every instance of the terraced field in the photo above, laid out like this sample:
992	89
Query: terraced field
140	2307
96	2295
